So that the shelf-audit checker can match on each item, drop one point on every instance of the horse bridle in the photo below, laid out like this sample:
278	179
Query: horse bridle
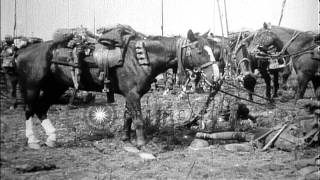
198	71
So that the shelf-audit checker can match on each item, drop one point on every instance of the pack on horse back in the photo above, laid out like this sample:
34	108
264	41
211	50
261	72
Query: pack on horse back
78	46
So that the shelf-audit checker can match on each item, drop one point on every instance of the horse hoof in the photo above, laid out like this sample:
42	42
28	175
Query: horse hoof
51	144
34	145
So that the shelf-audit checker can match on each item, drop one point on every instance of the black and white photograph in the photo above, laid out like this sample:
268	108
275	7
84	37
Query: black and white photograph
159	89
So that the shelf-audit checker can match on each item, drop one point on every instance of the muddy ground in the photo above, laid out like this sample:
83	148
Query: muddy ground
82	154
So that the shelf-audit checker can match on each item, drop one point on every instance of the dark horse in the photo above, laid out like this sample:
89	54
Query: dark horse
242	65
132	80
294	44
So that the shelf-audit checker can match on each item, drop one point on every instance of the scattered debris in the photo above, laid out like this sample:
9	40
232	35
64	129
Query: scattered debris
34	166
308	170
240	136
131	149
239	147
143	155
147	156
198	144
301	163
275	137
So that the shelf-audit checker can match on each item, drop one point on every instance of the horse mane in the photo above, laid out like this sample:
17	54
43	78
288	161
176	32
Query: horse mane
306	36
289	30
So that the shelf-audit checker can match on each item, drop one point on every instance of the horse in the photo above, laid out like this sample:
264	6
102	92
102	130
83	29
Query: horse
217	47
289	43
37	72
243	67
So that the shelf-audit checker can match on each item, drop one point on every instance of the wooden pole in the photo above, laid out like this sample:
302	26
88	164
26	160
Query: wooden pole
15	19
275	137
214	15
226	16
94	17
161	17
26	18
221	24
0	25
282	9
68	14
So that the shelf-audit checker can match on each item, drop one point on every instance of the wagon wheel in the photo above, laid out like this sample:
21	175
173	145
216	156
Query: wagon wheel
101	119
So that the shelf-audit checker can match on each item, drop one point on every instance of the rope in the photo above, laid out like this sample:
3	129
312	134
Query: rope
214	86
238	97
243	89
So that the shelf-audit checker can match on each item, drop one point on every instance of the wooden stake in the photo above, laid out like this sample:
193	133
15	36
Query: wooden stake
275	137
282	9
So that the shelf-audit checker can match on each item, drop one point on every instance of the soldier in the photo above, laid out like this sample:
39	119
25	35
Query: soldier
7	55
7	46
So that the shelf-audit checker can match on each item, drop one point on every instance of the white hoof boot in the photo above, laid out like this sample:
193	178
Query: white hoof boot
51	144
34	146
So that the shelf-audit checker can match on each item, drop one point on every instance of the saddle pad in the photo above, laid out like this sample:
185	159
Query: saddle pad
111	57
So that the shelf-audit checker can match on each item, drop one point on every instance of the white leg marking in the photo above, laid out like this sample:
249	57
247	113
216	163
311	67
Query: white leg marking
30	134
49	129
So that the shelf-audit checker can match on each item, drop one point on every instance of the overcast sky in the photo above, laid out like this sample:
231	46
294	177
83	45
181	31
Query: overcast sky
42	17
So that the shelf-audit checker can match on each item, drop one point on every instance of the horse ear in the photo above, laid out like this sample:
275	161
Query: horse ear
267	26
191	36
205	35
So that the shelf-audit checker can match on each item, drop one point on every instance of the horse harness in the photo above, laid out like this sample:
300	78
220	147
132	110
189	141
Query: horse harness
197	72
276	60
